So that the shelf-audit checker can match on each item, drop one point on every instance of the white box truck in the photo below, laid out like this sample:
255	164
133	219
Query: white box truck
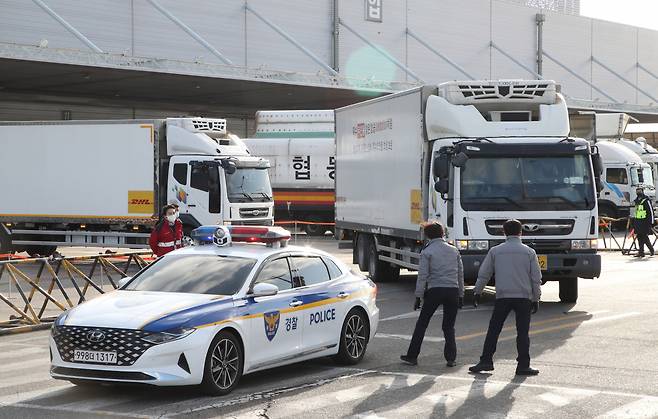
102	183
471	155
301	148
624	166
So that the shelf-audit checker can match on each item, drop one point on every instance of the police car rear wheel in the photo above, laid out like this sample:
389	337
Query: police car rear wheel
353	338
224	363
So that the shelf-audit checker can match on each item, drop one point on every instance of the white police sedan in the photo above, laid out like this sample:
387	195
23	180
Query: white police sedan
208	314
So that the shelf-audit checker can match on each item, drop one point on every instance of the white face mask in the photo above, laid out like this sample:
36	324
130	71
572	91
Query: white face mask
177	214
171	218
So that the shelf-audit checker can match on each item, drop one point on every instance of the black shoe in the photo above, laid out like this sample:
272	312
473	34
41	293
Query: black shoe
639	255
451	364
526	371
481	366
409	360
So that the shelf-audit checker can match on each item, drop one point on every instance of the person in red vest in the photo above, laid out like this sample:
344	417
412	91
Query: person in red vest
168	232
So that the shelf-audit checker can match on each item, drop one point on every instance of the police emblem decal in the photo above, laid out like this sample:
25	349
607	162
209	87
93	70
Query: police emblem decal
271	321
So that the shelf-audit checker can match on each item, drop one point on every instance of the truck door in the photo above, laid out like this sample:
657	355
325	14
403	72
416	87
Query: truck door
616	183
196	187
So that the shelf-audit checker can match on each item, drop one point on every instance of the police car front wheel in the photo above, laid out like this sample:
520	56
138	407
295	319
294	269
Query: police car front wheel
353	337
224	363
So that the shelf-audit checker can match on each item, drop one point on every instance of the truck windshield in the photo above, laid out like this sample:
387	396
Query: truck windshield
195	274
249	185
641	176
527	183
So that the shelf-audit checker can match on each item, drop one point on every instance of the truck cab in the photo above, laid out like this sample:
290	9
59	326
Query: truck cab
624	172
501	150
213	177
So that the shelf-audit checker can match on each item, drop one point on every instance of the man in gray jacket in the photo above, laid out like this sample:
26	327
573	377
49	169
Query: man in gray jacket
518	288
440	282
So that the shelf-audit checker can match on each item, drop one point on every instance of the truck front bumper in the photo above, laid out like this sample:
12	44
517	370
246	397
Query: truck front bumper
560	265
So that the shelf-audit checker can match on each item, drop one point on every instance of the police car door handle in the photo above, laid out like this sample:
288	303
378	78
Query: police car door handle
343	295
296	303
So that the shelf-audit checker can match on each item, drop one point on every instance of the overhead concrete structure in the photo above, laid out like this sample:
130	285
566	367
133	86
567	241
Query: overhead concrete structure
116	58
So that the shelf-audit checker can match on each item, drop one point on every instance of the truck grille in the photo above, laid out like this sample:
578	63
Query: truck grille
127	343
254	212
542	246
534	227
481	91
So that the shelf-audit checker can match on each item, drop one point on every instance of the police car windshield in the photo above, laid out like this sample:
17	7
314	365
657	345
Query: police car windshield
194	274
249	184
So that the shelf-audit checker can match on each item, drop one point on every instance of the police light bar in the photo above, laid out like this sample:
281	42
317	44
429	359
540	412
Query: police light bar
211	234
260	234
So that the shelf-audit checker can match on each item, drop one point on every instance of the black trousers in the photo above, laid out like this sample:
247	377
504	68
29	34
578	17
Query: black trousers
643	239
434	297
521	308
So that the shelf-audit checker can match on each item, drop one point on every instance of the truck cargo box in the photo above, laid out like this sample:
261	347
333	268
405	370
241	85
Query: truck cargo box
78	170
380	146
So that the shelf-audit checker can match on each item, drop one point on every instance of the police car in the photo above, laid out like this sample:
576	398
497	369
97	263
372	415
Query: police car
240	301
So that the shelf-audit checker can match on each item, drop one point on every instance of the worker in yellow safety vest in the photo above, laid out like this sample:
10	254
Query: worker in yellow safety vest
643	220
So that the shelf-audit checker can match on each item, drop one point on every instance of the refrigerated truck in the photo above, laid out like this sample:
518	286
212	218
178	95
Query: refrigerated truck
102	183
300	146
471	155
624	167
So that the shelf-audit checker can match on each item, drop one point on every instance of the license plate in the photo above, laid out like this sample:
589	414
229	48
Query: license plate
80	355
543	262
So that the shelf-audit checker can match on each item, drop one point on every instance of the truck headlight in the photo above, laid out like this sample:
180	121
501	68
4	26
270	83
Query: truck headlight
472	244
168	336
585	244
478	245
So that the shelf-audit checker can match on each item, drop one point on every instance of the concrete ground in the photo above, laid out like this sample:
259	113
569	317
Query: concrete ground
596	357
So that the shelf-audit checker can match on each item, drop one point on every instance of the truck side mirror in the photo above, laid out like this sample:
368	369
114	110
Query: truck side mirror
228	166
597	163
460	160
442	186
599	184
441	167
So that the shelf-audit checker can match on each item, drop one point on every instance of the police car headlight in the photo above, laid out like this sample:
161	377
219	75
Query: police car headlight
461	244
168	336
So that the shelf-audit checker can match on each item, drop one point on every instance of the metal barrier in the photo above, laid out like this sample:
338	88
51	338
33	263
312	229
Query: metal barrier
630	239
55	272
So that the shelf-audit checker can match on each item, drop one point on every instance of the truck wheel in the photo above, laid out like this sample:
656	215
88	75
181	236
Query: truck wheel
362	250
43	251
314	229
380	271
5	240
568	290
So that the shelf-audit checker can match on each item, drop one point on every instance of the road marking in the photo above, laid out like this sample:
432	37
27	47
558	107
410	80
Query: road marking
438	313
27	396
643	408
268	394
407	337
23	352
574	324
508	328
560	398
28	365
96	412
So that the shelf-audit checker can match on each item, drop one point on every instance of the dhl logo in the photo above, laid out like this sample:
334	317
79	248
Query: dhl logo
140	202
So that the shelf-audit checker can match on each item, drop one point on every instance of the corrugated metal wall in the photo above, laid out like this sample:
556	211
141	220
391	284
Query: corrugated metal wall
462	30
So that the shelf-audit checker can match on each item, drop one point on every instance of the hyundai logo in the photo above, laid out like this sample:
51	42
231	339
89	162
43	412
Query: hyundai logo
256	213
95	336
531	227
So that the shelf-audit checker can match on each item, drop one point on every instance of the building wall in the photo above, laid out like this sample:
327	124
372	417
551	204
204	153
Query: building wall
461	30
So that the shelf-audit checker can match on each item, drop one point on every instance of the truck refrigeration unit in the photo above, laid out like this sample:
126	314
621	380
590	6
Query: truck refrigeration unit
471	155
301	148
102	183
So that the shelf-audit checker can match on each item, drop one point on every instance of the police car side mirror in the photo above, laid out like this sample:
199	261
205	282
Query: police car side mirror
263	290
124	281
